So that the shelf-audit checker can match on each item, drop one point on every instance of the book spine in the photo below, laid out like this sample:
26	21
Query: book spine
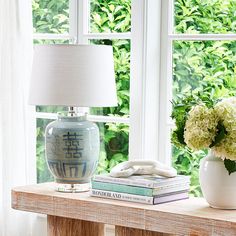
121	196
171	197
122	188
170	189
122	181
138	183
171	181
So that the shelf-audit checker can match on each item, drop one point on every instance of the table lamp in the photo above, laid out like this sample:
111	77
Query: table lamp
72	76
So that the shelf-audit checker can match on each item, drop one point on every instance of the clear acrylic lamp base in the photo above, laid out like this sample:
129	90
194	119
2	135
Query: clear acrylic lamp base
72	188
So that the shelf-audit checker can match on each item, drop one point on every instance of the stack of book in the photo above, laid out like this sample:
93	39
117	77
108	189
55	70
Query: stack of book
147	189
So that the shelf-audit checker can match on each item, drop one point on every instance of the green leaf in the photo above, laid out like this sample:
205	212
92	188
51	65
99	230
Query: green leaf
230	166
118	157
221	133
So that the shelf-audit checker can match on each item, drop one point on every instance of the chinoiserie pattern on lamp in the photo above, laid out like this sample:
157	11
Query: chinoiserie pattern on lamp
72	147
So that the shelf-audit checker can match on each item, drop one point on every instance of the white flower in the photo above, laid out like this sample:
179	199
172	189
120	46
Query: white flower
226	111
200	127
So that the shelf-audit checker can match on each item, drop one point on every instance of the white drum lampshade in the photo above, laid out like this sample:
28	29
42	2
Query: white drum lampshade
73	76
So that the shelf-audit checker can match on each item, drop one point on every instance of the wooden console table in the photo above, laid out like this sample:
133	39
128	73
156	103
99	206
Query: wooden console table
78	214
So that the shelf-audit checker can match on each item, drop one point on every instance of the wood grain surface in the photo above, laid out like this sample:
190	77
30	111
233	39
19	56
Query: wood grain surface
60	226
186	217
124	231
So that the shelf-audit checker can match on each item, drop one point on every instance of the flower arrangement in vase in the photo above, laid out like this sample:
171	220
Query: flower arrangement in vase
203	123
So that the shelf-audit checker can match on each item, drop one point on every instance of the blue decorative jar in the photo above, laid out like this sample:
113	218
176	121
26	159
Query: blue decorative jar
72	149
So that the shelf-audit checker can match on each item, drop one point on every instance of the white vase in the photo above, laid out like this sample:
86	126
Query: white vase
218	187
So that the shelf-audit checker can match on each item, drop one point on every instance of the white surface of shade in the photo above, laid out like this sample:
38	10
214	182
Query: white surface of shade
73	75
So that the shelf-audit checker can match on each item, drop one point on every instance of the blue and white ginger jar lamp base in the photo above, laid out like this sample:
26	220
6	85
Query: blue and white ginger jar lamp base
72	151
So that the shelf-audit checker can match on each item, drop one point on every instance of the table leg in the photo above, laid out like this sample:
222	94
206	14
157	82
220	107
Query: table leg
60	226
124	231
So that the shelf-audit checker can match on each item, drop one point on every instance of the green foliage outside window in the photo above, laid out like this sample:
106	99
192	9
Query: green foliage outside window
110	16
50	16
205	16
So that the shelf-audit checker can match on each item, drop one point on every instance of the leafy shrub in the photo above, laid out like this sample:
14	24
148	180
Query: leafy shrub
51	16
110	16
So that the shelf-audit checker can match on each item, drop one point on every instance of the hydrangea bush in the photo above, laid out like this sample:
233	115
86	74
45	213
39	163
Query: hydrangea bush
202	124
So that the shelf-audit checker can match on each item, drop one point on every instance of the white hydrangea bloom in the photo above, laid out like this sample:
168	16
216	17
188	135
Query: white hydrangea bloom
200	127
226	111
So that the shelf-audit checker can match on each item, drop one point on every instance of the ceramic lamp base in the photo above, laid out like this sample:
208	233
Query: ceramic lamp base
72	152
72	188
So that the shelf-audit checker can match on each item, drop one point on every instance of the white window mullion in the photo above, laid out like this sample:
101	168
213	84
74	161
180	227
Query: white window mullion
108	35
52	36
108	119
165	89
145	66
86	16
169	21
94	118
73	19
151	81
82	21
46	115
202	37
136	80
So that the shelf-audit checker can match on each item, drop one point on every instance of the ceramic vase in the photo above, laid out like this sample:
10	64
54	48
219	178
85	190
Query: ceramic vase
72	149
218	187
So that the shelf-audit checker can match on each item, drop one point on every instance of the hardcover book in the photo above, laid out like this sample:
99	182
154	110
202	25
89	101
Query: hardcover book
149	181
138	198
114	187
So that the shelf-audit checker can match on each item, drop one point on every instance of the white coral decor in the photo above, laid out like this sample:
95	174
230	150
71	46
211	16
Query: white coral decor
200	127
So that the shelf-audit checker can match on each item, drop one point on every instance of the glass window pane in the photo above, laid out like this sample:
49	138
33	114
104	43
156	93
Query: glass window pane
215	16
114	145
110	16
51	109
51	16
121	51
204	68
113	148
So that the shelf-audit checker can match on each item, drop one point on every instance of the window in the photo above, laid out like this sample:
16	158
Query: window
163	49
199	51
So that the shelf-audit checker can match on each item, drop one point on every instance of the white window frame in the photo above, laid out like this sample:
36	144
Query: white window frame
165	92
144	84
